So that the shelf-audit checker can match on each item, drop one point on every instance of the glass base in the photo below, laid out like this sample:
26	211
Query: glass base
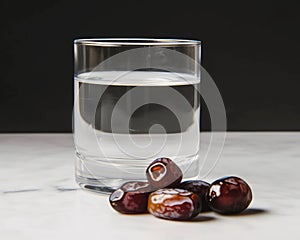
101	176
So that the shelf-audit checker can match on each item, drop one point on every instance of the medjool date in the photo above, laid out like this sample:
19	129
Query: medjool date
175	204
163	173
199	187
131	197
229	195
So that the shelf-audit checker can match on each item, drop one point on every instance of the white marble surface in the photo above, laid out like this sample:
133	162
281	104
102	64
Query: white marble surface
39	198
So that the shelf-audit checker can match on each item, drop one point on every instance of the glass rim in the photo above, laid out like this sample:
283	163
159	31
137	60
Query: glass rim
117	42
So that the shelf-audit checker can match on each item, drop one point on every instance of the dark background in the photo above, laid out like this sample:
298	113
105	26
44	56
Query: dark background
250	49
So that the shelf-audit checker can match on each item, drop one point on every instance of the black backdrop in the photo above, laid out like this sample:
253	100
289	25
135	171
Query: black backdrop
251	50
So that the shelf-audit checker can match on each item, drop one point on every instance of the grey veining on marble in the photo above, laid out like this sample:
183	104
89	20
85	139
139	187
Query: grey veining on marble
39	198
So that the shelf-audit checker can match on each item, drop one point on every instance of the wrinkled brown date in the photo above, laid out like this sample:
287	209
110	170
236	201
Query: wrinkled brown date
175	204
200	188
131	197
229	195
163	173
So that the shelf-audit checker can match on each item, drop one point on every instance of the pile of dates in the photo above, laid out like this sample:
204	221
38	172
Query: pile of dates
165	196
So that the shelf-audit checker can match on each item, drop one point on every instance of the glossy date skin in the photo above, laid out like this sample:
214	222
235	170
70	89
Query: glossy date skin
200	188
131	198
163	173
229	195
174	204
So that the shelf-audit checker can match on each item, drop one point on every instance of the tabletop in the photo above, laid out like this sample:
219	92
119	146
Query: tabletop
39	198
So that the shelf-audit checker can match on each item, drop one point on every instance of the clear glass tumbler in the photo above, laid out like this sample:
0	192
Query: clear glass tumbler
135	100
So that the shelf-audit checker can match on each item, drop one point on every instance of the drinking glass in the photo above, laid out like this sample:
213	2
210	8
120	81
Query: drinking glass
135	100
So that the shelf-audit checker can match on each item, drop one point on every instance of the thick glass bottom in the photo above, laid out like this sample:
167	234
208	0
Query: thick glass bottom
104	176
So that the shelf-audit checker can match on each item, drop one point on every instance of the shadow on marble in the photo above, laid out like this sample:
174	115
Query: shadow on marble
249	212
21	191
200	218
61	189
254	211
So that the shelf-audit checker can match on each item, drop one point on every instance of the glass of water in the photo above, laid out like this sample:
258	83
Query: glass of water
135	100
